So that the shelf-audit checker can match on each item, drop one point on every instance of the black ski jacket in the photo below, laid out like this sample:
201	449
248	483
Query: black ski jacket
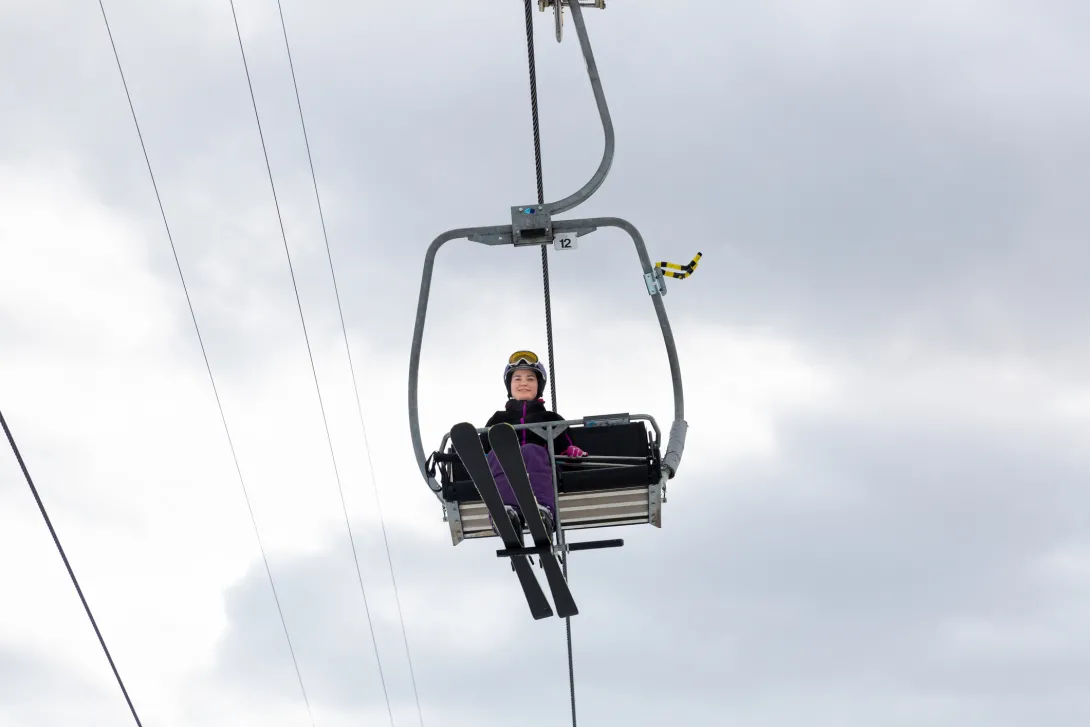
528	412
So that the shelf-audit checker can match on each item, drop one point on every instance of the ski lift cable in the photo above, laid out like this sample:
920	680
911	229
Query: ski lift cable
351	365
540	190
531	59
71	573
208	367
310	354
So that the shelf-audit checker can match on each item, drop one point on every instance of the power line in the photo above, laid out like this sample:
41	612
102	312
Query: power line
351	366
310	354
71	573
208	366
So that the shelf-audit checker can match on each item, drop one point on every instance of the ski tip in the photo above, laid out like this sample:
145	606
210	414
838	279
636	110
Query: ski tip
501	429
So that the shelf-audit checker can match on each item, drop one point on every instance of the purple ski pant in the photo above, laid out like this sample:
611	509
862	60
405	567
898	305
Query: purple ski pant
541	477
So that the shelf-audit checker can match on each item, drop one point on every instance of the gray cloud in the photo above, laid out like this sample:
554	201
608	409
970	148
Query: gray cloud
904	174
903	177
881	570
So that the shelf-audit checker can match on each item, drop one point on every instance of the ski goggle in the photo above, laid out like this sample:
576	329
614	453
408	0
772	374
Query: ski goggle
522	358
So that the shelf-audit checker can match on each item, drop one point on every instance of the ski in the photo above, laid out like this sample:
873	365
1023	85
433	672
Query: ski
505	443
467	444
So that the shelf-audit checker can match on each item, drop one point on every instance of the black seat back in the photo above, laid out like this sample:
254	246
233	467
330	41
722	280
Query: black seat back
623	440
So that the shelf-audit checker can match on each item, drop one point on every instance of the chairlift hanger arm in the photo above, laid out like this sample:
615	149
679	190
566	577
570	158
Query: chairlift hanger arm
499	235
676	444
494	236
505	235
581	195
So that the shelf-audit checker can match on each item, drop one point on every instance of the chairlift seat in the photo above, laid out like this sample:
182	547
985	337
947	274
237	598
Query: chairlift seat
593	492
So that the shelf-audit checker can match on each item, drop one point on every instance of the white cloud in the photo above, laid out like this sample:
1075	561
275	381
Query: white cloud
146	498
819	477
125	443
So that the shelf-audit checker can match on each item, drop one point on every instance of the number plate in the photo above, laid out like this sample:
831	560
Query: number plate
566	241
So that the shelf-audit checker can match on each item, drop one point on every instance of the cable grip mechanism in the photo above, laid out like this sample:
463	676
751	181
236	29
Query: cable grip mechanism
558	8
531	224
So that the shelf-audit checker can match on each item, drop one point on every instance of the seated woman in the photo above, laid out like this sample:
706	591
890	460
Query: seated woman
524	378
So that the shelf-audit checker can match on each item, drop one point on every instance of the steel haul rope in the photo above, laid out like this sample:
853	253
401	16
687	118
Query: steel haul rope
71	573
545	282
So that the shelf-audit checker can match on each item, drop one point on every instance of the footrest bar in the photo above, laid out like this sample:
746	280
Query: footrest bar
585	545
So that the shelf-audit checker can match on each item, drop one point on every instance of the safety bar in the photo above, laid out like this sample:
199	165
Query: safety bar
606	460
495	236
561	424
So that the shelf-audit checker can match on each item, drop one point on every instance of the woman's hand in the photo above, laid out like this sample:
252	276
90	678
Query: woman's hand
573	451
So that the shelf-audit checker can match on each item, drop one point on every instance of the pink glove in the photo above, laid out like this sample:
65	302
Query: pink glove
573	451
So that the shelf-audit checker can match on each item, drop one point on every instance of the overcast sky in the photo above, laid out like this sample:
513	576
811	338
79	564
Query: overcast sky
881	514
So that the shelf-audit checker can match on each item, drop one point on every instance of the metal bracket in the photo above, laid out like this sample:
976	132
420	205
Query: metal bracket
453	517
558	6
493	237
531	225
656	284
542	430
656	495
